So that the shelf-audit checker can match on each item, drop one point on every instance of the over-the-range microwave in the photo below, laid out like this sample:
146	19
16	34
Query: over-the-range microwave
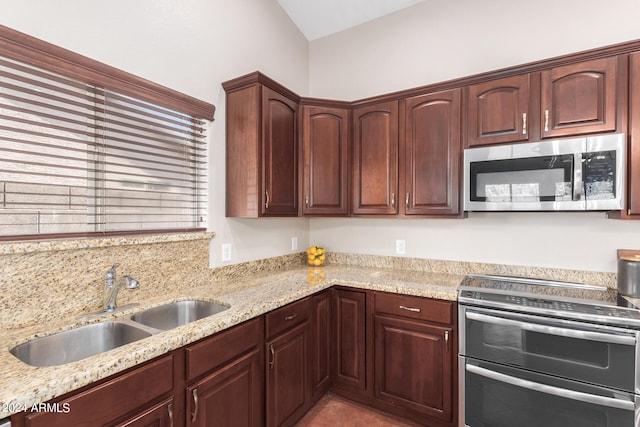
574	174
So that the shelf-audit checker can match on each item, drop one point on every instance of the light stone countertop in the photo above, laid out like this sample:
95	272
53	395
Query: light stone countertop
22	386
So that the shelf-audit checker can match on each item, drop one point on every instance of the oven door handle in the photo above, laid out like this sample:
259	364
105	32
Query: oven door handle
555	391
553	330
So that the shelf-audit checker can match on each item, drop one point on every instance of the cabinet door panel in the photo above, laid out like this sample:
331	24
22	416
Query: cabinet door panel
579	98
320	356
498	111
375	163
414	366
350	358
279	154
287	376
432	144
325	152
229	397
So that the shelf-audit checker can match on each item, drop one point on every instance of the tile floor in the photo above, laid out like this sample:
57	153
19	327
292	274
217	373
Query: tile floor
334	411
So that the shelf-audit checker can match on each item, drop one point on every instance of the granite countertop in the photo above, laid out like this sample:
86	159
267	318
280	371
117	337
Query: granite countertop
22	386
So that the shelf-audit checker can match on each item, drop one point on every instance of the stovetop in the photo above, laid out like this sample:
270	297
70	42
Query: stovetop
552	298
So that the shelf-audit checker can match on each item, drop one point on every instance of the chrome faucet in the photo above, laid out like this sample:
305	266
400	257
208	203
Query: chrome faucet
112	286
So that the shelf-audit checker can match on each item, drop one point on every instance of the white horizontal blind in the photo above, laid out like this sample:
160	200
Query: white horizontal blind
75	158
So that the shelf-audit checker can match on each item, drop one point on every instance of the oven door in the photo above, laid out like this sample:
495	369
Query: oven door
499	396
586	352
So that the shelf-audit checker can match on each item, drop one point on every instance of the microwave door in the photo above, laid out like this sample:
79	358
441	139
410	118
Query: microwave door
524	184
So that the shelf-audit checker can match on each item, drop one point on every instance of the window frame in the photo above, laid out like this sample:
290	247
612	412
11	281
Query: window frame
32	51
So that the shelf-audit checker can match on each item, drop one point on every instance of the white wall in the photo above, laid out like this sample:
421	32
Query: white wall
439	40
191	46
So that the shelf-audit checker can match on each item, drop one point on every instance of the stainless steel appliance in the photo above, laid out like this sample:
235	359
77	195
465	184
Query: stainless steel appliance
547	354
566	174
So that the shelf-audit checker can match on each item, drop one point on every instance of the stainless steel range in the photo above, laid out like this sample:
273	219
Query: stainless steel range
550	354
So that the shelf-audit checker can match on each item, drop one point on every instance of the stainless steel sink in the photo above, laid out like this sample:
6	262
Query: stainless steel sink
77	344
177	313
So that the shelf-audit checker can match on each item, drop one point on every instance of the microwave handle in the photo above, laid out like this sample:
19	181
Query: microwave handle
577	177
555	391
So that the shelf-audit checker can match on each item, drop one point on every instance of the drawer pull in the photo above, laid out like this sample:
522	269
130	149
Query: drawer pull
194	416
546	120
266	199
170	411
414	310
293	316
524	123
446	340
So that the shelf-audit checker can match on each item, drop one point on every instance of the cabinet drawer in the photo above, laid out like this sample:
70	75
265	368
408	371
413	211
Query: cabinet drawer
415	307
212	352
110	400
283	318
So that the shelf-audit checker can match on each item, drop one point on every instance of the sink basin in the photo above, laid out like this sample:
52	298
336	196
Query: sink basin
177	313
77	344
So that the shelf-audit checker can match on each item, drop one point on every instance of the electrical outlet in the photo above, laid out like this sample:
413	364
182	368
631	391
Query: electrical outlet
226	252
400	247
294	243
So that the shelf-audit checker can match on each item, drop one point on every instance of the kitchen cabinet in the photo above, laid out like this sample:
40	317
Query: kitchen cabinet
375	159
498	111
432	152
261	148
580	98
325	160
633	179
350	342
133	398
287	388
230	392
415	355
321	348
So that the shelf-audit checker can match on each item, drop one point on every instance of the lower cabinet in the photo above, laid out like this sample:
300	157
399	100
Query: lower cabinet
138	397
415	355
287	390
394	352
225	378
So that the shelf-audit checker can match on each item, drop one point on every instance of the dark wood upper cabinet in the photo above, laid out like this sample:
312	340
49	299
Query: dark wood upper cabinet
325	154
261	148
375	159
432	149
498	111
634	135
579	98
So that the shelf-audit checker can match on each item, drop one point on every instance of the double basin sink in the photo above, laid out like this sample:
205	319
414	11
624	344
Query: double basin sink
79	343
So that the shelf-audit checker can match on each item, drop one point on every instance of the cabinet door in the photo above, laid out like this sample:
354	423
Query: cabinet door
375	159
432	150
498	111
279	154
414	366
634	127
325	144
160	415
350	349
320	353
229	397
579	98
287	376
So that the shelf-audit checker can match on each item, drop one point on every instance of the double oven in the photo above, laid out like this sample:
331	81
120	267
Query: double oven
547	354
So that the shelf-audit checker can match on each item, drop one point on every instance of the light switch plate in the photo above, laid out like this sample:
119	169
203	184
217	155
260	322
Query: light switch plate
400	247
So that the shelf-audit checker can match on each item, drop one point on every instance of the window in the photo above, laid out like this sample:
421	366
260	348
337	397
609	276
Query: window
80	157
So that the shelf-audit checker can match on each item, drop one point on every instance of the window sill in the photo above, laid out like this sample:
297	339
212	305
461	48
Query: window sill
9	248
